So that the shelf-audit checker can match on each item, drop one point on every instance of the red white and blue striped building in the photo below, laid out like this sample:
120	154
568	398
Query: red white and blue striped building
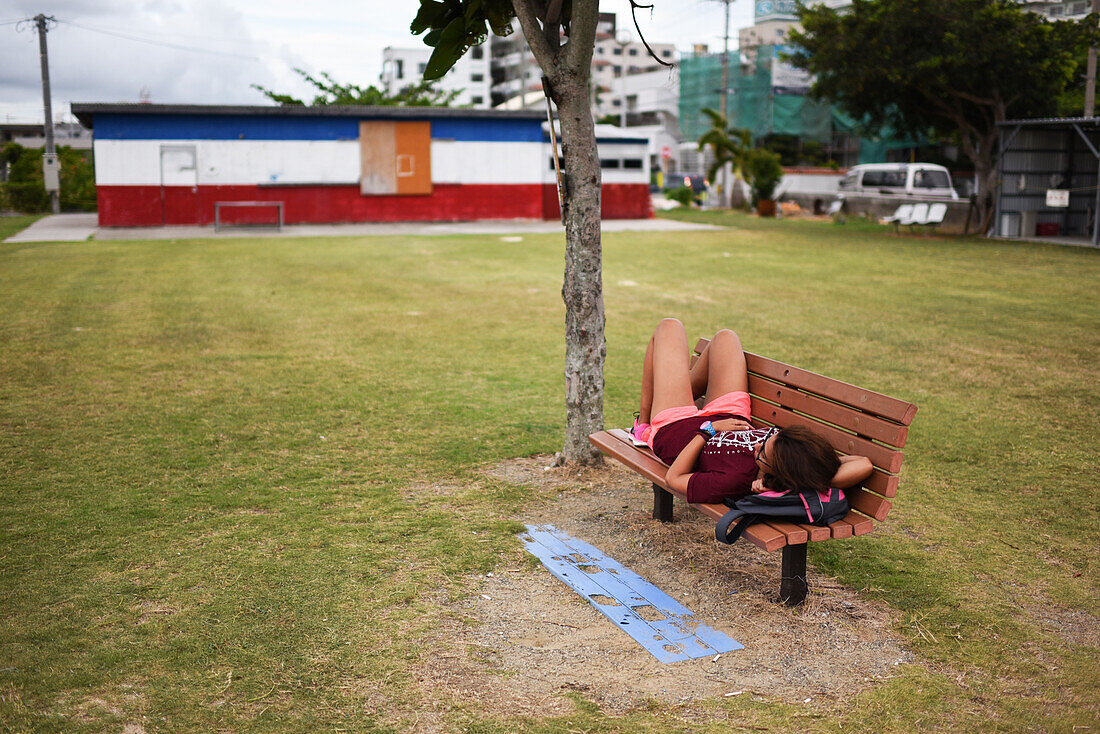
173	164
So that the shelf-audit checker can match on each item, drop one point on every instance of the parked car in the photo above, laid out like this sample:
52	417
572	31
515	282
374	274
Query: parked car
899	179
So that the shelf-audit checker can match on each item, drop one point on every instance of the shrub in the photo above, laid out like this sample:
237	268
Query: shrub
763	171
25	191
684	195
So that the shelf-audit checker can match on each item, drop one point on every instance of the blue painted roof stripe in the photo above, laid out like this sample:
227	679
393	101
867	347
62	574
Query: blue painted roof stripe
592	574
249	127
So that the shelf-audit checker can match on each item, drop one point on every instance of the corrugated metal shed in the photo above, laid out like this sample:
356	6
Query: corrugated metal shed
1049	180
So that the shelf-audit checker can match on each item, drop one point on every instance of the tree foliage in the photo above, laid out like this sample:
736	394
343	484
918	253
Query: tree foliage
728	143
955	67
332	92
452	27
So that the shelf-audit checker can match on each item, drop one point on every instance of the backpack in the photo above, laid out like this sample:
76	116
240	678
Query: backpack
813	508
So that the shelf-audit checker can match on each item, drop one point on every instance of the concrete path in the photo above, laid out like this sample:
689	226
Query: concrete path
81	227
59	228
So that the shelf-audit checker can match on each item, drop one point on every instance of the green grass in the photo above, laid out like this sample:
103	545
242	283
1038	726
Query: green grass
218	459
17	223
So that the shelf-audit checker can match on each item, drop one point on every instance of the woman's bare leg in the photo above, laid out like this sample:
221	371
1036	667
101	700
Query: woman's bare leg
721	367
666	378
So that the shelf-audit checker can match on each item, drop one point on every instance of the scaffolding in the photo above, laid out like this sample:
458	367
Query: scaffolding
768	96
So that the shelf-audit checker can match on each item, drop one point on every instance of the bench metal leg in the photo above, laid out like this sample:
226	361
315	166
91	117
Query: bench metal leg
662	504
792	587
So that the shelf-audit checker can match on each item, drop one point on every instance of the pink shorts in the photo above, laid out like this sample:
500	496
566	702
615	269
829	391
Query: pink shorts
736	402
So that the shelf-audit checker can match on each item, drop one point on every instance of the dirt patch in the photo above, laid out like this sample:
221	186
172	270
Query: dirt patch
1072	626
524	639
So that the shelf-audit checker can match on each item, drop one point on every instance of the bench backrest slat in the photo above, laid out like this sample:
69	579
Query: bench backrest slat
858	422
866	401
881	456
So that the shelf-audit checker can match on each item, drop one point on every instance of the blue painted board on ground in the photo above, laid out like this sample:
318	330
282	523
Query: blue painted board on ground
659	623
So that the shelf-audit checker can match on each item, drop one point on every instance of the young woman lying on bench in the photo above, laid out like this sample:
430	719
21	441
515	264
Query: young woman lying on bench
713	452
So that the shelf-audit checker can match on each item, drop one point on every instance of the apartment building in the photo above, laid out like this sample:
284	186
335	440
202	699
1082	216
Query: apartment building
470	77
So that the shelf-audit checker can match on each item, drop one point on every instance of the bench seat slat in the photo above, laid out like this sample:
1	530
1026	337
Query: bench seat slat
840	529
795	535
848	418
861	524
817	532
881	456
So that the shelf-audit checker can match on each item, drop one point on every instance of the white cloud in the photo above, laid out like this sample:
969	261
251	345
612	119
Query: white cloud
90	61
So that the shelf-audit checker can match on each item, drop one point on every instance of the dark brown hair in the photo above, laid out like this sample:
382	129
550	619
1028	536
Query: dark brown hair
799	460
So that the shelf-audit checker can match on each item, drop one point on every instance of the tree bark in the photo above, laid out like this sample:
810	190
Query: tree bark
582	289
568	67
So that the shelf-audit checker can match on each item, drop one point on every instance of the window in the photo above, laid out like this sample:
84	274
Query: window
477	100
477	77
420	68
477	52
617	69
635	163
399	67
930	180
617	51
667	54
633	52
884	178
609	163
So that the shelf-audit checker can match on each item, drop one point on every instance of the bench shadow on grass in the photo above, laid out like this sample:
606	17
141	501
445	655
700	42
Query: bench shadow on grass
525	644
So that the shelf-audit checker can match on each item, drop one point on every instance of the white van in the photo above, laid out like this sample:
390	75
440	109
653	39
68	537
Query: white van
899	179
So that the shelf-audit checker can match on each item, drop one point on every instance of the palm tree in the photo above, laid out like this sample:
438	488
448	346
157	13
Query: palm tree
729	144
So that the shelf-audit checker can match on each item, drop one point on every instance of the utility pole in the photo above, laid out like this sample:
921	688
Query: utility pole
726	93
50	167
1090	73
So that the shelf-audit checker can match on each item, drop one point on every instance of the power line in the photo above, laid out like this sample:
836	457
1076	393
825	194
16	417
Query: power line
138	39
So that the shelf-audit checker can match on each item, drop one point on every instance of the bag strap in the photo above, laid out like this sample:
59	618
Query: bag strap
722	530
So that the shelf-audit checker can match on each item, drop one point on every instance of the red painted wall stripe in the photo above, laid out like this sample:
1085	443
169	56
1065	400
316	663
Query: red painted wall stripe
617	201
151	206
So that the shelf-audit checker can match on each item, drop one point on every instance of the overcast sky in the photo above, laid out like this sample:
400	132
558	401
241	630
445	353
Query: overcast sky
211	51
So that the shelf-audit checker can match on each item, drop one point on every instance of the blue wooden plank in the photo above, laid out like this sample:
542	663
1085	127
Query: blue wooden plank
618	593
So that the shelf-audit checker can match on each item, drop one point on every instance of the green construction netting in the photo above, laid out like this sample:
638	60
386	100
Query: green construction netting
755	103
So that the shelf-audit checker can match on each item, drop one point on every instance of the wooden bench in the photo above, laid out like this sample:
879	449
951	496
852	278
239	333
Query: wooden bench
854	420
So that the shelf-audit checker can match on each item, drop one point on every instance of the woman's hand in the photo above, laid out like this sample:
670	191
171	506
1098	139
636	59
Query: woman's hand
732	424
758	486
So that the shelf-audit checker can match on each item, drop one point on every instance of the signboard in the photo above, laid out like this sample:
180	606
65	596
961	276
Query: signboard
776	10
787	78
666	152
1057	197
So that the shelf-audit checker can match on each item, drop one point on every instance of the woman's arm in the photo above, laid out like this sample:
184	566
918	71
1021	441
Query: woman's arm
679	474
852	471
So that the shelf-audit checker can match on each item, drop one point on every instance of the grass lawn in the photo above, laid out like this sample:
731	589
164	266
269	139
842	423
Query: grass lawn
208	449
17	223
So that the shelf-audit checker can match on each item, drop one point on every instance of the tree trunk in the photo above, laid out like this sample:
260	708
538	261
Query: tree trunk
582	289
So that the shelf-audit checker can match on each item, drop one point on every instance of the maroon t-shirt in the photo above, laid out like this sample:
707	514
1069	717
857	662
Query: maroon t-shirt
726	467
